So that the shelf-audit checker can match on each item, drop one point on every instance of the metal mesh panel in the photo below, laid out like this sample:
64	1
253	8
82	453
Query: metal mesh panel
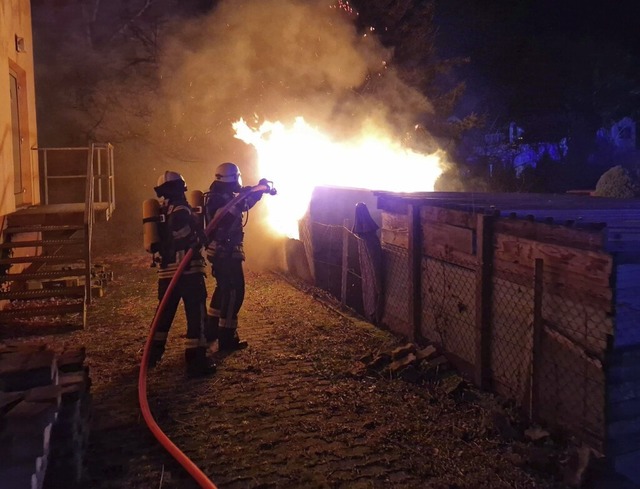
396	279
582	322
512	336
327	245
570	383
327	257
353	287
448	307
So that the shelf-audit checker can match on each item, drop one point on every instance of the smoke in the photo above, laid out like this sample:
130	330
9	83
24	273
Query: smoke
274	59
260	60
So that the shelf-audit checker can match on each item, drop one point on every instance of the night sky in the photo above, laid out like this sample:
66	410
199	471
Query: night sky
556	68
537	55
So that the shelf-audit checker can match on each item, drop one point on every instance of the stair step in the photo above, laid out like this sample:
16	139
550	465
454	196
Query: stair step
42	228
41	242
48	310
40	293
23	277
41	258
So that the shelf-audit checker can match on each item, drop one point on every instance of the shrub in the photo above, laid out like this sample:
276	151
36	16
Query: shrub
618	183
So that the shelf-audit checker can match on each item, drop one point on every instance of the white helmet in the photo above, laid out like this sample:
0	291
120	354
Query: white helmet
169	176
228	173
170	183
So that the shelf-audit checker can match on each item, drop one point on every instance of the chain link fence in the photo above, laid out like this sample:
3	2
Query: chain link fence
352	295
545	343
327	257
396	299
511	330
569	379
336	262
449	307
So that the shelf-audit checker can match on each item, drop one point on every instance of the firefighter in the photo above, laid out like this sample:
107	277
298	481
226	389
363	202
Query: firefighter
225	253
178	232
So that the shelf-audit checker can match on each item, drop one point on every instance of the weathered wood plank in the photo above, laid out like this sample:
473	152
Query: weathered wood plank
552	233
395	229
483	295
449	216
536	344
448	315
447	254
511	335
586	325
415	271
591	264
438	236
559	282
392	203
571	389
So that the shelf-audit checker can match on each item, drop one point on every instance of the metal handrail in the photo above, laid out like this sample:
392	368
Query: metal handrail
104	171
89	218
99	167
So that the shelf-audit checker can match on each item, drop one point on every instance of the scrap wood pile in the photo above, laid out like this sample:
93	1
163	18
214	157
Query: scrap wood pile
416	365
430	368
44	416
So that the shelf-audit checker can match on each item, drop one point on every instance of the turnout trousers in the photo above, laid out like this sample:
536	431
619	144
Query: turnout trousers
227	298
191	289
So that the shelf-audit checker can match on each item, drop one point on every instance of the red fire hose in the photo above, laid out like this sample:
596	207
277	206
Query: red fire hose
175	452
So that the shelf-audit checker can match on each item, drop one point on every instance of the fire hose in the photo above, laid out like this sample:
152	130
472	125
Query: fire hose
195	472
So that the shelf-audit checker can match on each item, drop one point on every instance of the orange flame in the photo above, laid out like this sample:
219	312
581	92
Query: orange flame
300	158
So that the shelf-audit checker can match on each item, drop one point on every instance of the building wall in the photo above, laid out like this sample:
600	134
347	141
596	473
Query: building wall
15	22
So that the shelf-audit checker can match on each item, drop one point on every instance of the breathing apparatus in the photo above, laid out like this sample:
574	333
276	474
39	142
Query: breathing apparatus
152	218
172	183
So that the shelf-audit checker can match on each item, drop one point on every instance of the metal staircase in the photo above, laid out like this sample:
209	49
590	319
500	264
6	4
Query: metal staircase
46	270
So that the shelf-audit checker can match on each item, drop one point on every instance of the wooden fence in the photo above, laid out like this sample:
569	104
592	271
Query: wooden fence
539	310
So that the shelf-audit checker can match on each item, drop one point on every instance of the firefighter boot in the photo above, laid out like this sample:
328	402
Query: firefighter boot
198	364
229	340
155	353
211	333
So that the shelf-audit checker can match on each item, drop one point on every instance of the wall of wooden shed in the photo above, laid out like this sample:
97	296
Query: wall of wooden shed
483	316
546	314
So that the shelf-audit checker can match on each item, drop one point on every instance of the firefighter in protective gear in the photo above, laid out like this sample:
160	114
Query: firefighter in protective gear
178	233
225	253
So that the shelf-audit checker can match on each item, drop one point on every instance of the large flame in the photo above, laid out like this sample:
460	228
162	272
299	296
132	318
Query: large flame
299	158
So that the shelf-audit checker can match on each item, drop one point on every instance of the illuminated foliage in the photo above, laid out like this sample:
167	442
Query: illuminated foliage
618	183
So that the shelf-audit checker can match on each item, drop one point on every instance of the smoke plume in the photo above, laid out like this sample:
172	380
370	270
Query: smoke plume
263	60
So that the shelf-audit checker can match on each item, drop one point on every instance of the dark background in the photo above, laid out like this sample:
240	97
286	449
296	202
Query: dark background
557	69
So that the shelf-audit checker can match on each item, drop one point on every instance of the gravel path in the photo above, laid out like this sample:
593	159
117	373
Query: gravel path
295	409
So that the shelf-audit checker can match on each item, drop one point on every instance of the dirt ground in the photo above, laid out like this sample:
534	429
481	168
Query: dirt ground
295	409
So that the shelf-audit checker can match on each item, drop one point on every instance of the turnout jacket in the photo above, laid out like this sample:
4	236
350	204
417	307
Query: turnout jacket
228	236
178	235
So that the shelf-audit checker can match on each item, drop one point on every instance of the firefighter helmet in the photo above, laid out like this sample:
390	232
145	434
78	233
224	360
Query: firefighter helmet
170	183
228	173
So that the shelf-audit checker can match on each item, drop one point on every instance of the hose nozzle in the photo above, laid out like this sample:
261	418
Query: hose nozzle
269	184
